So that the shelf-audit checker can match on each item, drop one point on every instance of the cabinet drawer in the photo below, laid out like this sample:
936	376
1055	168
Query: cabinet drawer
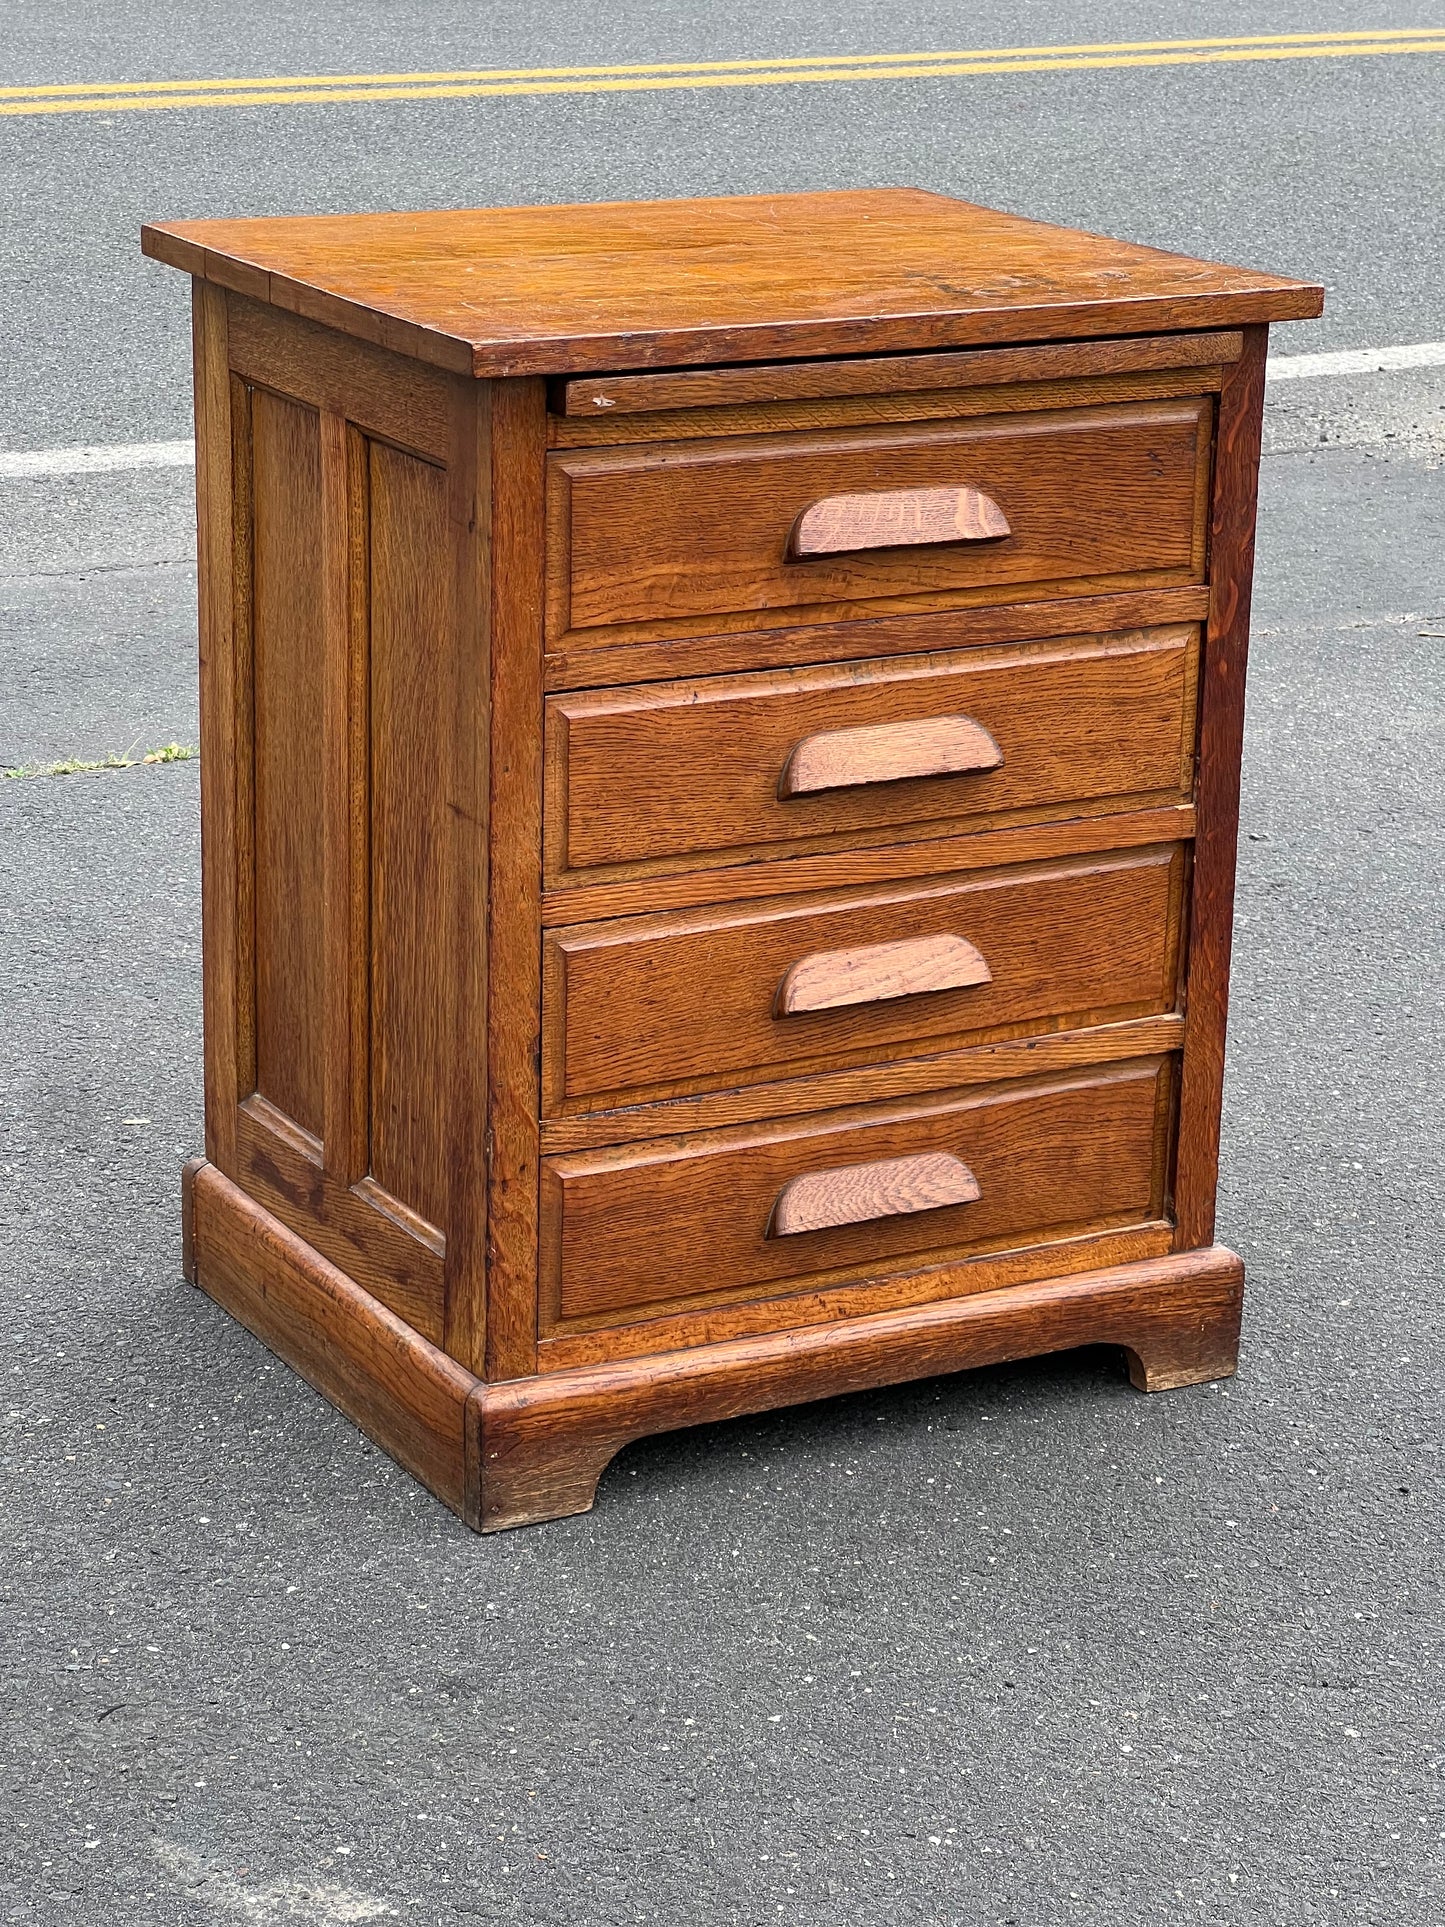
1069	499
758	1212
744	762
641	1006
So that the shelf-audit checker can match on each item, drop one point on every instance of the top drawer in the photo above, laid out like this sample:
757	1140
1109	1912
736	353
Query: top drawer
1063	502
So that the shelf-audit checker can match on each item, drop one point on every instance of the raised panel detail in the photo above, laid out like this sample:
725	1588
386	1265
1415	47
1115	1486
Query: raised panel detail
411	677
286	720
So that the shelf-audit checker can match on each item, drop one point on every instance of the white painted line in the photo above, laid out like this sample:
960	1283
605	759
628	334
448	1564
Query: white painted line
31	464
1355	361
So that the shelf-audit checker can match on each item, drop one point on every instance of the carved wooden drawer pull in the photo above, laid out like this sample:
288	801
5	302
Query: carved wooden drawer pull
888	753
855	1193
831	979
895	519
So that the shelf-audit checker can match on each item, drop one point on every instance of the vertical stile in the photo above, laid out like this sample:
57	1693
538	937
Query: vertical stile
469	503
214	537
514	989
342	878
358	979
242	785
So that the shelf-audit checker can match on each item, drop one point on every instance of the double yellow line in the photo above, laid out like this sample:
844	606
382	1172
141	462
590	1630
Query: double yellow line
115	97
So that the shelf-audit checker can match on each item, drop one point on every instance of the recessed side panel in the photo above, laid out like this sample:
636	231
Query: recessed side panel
287	685
410	682
343	603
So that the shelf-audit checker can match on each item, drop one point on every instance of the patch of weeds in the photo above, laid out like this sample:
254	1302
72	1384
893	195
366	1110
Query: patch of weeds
88	766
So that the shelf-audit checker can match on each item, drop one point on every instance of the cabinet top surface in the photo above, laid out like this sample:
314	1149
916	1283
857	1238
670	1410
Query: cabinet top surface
625	285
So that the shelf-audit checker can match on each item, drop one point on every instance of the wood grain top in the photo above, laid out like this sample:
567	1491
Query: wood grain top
633	285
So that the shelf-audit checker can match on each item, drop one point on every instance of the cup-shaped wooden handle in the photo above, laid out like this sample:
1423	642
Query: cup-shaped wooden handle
837	759
857	1193
896	518
871	974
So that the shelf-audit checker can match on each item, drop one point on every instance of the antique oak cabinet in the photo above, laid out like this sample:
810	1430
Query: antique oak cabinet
720	754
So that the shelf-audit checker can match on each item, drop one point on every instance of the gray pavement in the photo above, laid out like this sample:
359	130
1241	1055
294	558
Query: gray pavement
1334	169
1017	1647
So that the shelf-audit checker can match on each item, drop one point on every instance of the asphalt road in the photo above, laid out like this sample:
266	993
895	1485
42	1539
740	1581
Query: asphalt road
1333	169
1018	1647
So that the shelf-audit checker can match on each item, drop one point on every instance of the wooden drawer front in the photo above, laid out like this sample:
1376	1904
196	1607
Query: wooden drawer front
696	1217
643	1005
686	529
679	769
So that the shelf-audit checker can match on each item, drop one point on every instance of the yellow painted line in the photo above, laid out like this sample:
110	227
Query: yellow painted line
1285	41
78	97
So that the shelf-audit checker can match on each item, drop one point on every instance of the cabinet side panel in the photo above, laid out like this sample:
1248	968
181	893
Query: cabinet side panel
287	693
412	987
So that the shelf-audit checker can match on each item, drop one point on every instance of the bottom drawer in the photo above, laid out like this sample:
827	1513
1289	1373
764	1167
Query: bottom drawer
754	1213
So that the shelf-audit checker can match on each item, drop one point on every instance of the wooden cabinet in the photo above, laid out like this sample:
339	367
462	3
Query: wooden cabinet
720	752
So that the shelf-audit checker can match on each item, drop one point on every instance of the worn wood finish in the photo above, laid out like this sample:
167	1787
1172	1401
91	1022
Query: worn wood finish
876	973
1221	743
650	1005
610	396
647	535
361	1228
189	1172
865	858
543	1444
935	1070
701	888
867	411
788	758
564	290
653	1225
894	519
403	1393
800	637
858	1193
888	753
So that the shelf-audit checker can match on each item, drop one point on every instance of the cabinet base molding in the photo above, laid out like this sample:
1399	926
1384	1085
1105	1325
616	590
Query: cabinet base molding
398	1387
529	1449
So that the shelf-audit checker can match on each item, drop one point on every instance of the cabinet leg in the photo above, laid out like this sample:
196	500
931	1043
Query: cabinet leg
190	1171
1185	1346
526	1474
